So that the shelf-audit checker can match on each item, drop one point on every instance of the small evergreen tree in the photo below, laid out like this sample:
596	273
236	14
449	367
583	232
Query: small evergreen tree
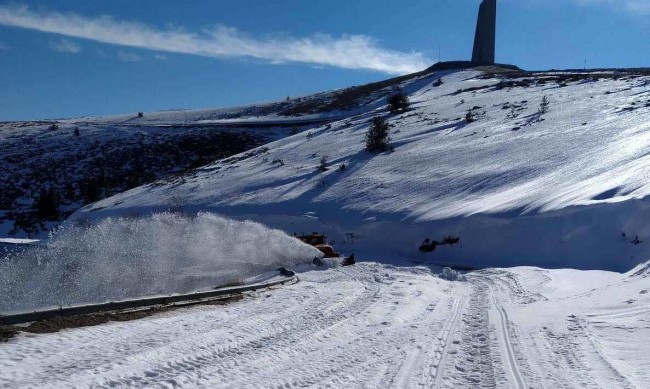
76	131
543	106
140	114
398	101
322	166
377	139
469	116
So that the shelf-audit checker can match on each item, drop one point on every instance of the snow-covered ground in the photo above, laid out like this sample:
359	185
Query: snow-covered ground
566	188
368	326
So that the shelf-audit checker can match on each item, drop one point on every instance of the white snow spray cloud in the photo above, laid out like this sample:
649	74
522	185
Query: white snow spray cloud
126	258
348	51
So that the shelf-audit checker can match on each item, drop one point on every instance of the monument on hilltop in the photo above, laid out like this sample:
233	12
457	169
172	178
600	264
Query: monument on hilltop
484	40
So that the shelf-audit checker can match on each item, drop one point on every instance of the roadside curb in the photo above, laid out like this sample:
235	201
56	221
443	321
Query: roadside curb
189	298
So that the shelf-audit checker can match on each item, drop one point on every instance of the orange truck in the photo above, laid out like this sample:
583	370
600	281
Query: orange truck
319	241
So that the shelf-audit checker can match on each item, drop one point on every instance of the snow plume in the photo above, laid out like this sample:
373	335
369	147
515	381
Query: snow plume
126	258
348	51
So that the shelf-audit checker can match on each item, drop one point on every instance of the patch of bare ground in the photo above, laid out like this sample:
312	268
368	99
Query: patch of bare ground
60	323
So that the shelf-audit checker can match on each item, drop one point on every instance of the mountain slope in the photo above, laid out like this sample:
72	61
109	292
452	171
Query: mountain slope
561	188
73	162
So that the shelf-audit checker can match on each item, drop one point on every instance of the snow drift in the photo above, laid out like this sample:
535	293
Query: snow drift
125	257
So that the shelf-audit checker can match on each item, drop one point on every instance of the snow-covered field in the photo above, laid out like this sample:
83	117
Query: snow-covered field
368	326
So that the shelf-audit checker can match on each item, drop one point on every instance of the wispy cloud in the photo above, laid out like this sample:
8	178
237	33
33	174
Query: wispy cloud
160	57
65	46
128	57
348	51
641	6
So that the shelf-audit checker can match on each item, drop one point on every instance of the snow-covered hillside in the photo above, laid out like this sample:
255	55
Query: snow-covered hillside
72	162
565	188
71	165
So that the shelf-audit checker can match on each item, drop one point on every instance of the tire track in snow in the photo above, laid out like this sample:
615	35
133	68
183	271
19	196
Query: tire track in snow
365	327
445	337
511	360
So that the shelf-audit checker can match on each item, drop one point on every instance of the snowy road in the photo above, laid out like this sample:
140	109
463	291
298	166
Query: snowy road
370	326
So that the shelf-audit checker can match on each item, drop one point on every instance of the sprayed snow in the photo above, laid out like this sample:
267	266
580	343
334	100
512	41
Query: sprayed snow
126	258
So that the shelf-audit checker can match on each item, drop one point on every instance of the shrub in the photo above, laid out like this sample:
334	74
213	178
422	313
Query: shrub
76	131
398	101
343	167
450	240
377	139
543	106
322	166
140	114
437	82
53	127
469	116
513	113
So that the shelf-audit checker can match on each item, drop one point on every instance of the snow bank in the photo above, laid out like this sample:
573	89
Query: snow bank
124	257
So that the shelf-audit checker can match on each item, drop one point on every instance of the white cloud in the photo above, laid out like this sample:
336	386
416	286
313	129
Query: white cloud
641	6
65	46
160	57
348	51
128	57
637	7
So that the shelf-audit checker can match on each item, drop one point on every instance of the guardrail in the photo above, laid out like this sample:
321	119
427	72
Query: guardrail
26	317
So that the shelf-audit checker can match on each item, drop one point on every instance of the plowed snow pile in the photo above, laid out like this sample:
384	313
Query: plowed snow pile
124	258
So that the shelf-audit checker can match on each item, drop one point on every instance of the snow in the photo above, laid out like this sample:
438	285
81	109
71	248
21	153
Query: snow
129	258
567	188
552	207
367	326
13	241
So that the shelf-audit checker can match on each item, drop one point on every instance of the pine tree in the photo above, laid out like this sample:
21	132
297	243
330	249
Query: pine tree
377	139
398	101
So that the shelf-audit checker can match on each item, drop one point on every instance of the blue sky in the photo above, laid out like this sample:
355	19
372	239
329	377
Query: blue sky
69	58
